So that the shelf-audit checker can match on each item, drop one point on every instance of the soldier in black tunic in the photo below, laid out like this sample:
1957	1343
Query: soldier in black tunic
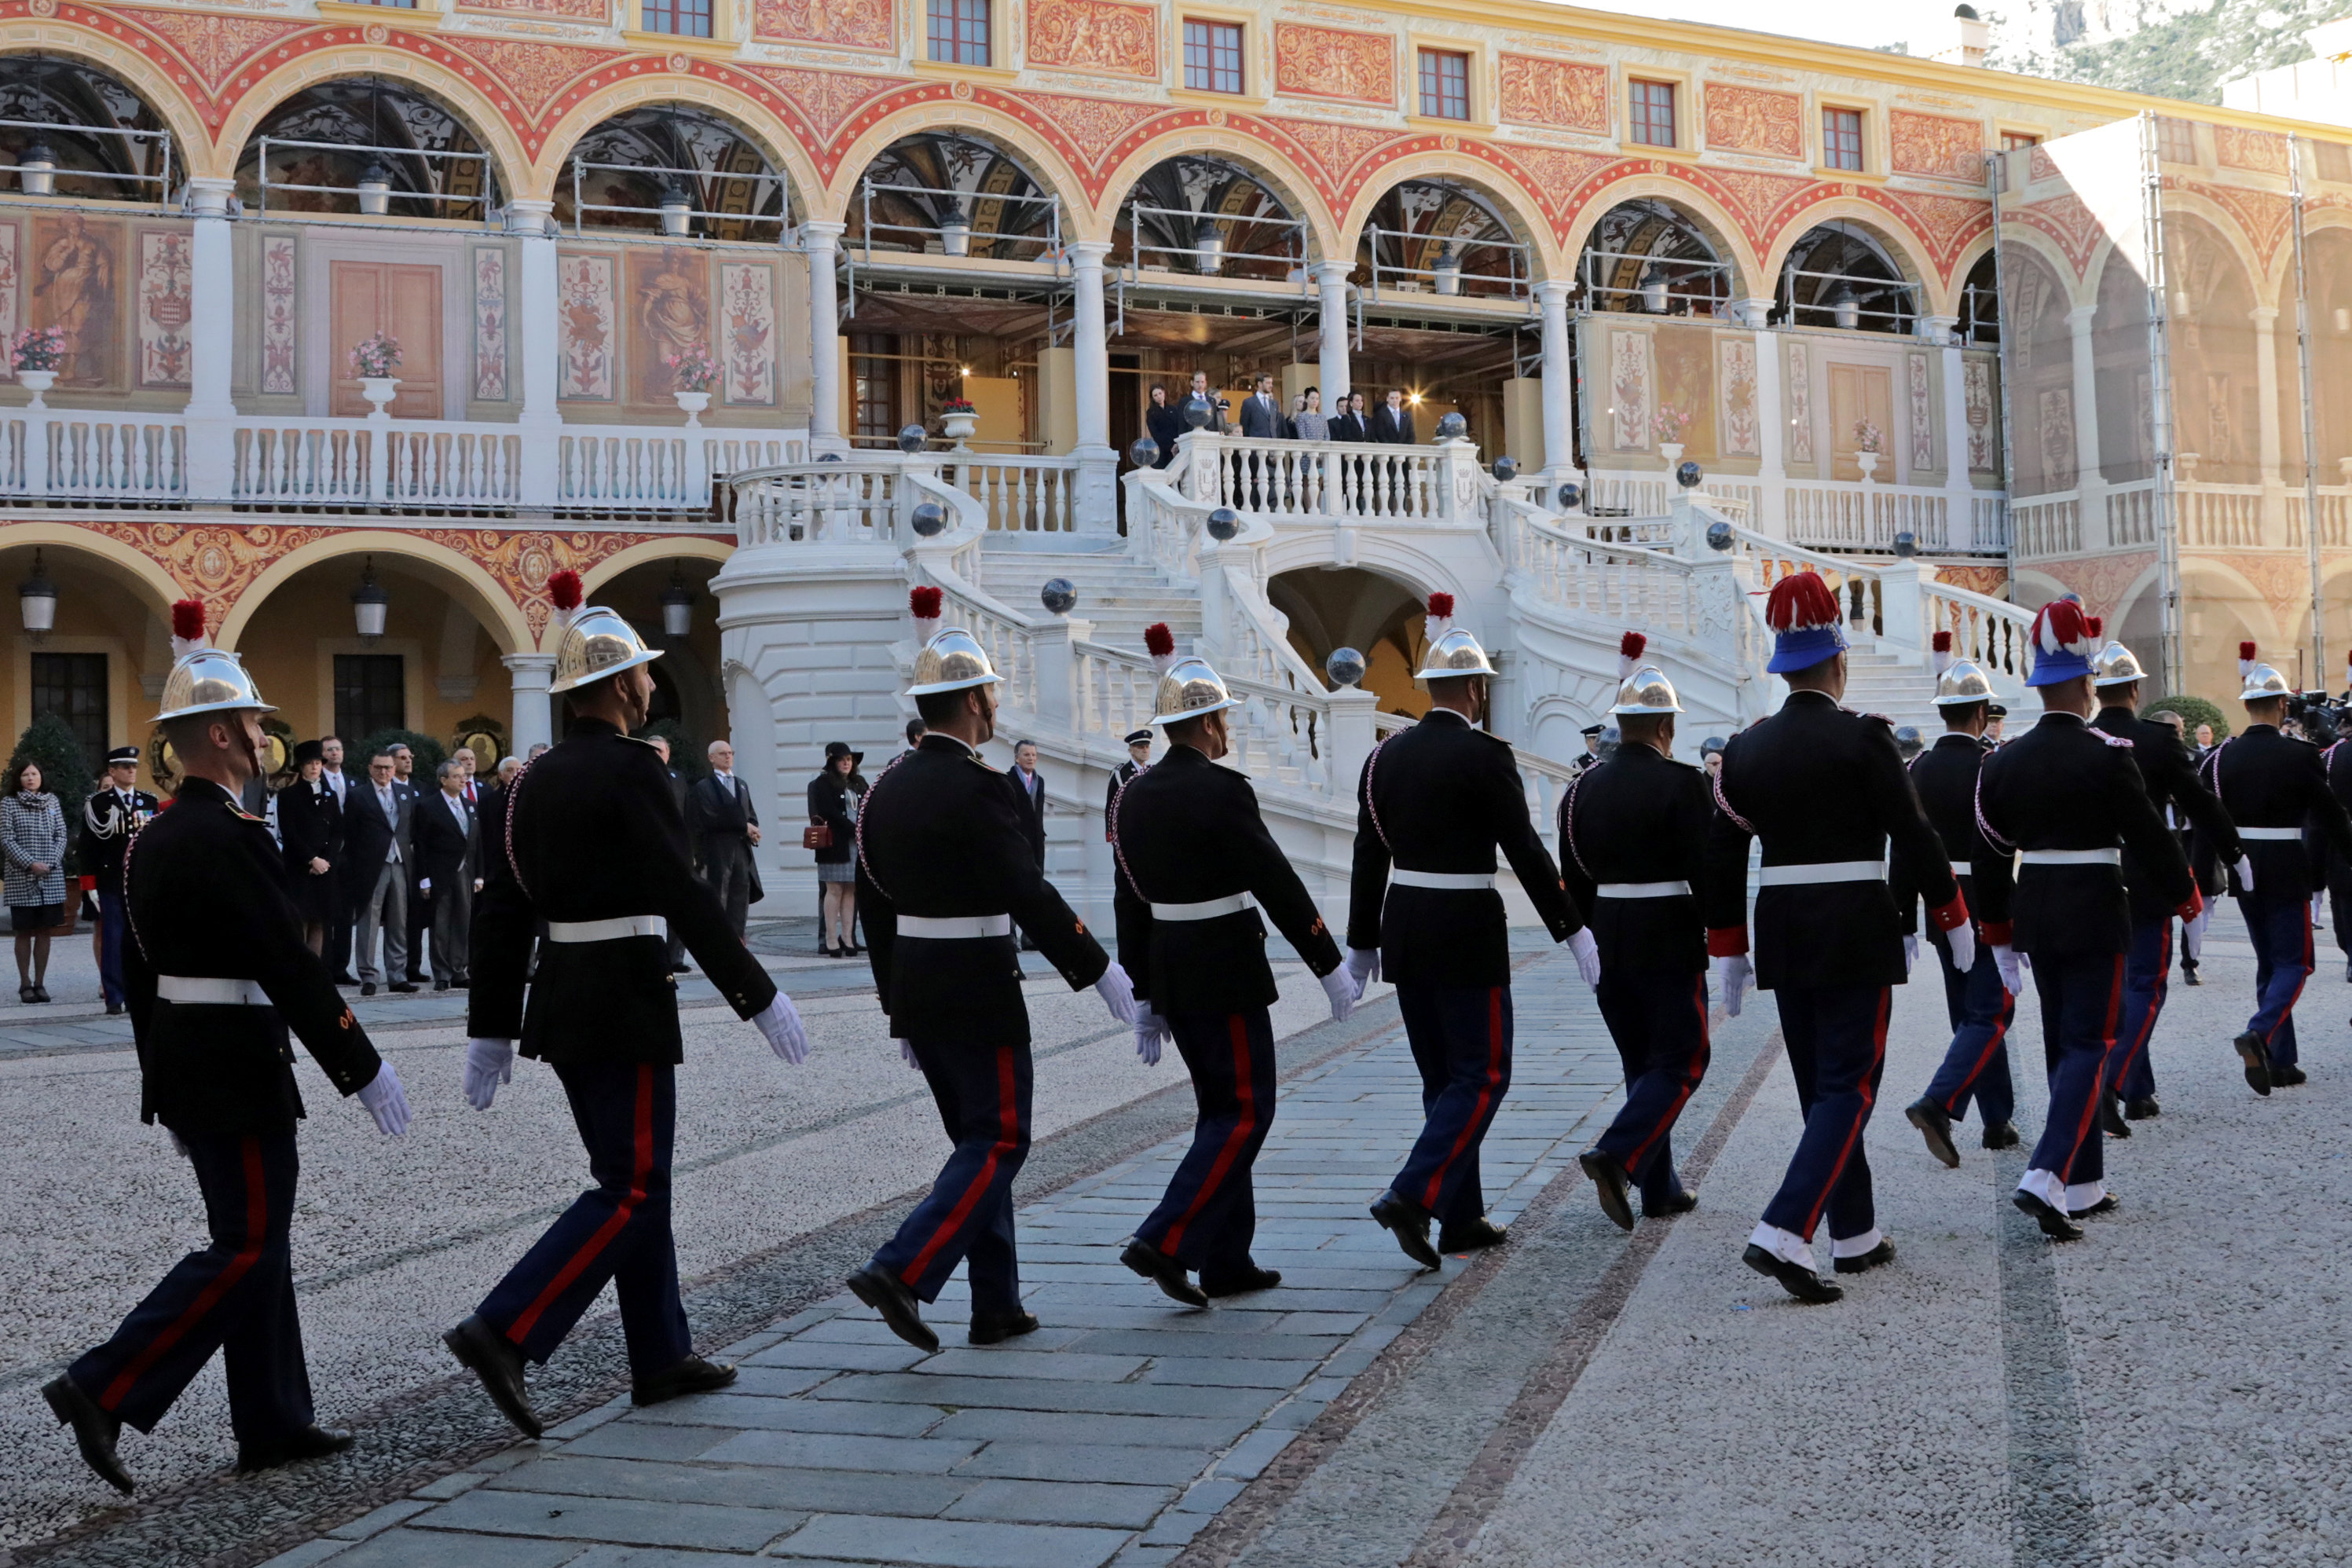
945	874
1433	803
1632	850
589	840
1195	866
1824	790
1139	757
217	978
108	818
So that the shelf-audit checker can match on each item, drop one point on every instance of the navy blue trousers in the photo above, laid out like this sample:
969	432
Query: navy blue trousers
2282	931
1658	1020
983	1092
1210	1212
110	924
236	1296
2147	975
1975	1064
2082	1011
1460	1038
618	1230
1836	1039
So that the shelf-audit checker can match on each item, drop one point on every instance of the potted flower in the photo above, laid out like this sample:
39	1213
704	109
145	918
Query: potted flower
1868	442
1670	425
959	419
373	359
691	375
37	352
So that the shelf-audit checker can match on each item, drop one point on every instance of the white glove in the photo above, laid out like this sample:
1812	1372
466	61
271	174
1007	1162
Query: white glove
2192	936
386	1102
2010	976
781	1022
488	1063
1963	938
1733	976
1910	953
1117	993
1364	963
1342	988
1588	955
1151	1034
2245	869
907	1054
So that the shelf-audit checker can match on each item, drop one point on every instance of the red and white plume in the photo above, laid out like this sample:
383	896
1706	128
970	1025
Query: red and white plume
563	592
2060	627
1628	653
1943	642
2246	660
187	628
2096	626
1800	602
1441	617
923	605
1161	644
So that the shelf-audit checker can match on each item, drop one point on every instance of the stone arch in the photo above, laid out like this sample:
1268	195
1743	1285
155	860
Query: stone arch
462	97
1702	238
974	122
1944	294
433	153
2216	357
2272	278
1261	160
1721	228
132	567
152	82
464	578
1900	248
754	122
688	546
1520	209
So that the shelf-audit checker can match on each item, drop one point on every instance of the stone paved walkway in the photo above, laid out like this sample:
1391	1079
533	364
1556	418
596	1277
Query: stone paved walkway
1111	1436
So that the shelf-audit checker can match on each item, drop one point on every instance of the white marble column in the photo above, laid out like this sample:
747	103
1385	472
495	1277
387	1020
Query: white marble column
211	412
1771	427
533	720
2267	403
1095	496
1559	376
1332	368
536	337
821	241
1959	489
2086	401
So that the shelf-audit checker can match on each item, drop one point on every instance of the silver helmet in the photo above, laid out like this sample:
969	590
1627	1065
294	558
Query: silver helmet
1189	689
2262	682
209	680
596	644
2115	665
1963	680
952	661
1646	690
1455	653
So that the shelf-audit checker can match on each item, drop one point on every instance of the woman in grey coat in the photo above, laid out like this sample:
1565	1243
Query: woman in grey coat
33	841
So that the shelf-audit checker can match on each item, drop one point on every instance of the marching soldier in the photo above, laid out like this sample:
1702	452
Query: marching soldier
1432	805
1824	789
1139	757
945	874
1632	840
2271	783
1981	1000
2339	758
108	818
2068	800
589	840
218	974
1193	857
2170	779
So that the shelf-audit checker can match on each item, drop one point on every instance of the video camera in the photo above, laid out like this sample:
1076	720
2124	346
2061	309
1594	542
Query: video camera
2321	719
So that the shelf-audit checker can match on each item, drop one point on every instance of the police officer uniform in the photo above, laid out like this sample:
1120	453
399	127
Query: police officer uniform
2069	800
1121	774
1592	734
1432	805
945	874
217	978
1198	877
1632	843
108	818
1980	1001
1823	788
600	1009
2272	784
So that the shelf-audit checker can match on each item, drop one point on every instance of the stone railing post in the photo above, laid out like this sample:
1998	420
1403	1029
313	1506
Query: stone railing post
1057	668
1351	710
1456	479
1902	615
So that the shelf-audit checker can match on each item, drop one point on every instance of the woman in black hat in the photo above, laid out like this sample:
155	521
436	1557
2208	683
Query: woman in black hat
833	797
310	827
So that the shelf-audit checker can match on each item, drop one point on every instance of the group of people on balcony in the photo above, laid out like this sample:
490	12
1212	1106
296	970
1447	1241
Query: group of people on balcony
1262	416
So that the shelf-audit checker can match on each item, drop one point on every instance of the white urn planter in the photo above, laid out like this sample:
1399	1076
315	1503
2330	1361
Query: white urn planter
1672	451
959	428
1868	463
379	390
37	383
694	403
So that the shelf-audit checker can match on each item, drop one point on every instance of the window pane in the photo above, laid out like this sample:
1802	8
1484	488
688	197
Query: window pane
1213	57
370	694
2011	141
1653	114
1445	84
959	31
688	18
73	687
1841	138
874	370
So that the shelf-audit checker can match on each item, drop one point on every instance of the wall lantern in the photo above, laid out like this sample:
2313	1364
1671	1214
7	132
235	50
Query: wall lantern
678	605
36	170
677	210
1844	310
1209	243
375	190
955	233
1446	270
370	604
36	600
1654	288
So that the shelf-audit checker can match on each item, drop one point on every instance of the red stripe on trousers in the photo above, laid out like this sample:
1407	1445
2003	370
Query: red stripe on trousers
256	1224
1008	1137
1485	1096
1247	1095
2155	999
2000	1033
640	1178
2288	1010
2098	1085
1690	1082
1869	1097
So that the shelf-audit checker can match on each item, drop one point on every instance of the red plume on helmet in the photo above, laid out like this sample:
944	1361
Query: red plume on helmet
1800	602
923	604
2060	627
564	590
2096	626
1161	644
1629	652
1441	617
187	626
2246	660
1943	648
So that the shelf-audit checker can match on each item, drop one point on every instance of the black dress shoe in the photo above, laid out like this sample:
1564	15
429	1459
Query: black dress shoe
1241	1284
1864	1262
1609	1185
2109	1202
1479	1233
347	980
2000	1135
992	1328
2257	1058
2141	1109
2188	975
490	1357
692	1375
1934	1125
1681	1203
1168	1273
367	987
112	1008
312	1442
462	982
887	1294
440	985
2054	1221
2347	971
2287	1077
1795	1278
1408	1223
2111	1118
403	986
94	1430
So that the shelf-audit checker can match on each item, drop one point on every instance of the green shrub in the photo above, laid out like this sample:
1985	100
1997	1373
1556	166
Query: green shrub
2193	711
686	756
430	753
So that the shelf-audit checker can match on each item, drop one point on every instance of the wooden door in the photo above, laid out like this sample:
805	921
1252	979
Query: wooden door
404	300
1860	392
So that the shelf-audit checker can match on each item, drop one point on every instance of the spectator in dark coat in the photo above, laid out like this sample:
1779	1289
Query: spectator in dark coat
1165	425
723	826
448	865
833	798
310	827
1392	422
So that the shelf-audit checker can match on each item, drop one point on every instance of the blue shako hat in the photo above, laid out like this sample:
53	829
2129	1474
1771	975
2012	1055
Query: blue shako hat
2064	642
1807	627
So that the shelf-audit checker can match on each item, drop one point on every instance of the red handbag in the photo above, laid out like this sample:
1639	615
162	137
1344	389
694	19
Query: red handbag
817	836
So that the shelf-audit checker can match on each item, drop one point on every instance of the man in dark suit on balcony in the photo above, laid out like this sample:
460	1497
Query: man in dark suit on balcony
1392	422
1262	417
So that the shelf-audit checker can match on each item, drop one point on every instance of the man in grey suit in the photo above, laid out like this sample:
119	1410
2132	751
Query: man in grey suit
725	829
448	863
1261	415
378	836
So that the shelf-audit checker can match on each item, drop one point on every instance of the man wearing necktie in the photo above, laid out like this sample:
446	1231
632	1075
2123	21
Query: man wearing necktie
338	935
108	819
725	829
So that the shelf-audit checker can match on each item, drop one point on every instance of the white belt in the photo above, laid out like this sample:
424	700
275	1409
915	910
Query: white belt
2072	856
1822	871
955	928
1460	881
2287	833
206	991
1645	890
613	929
1963	869
1206	909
